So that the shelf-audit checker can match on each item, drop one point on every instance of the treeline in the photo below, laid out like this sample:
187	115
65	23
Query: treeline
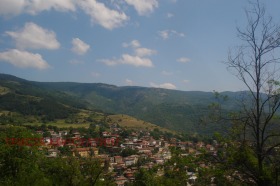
42	107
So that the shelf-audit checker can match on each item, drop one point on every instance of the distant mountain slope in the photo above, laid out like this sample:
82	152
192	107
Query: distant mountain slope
24	97
179	110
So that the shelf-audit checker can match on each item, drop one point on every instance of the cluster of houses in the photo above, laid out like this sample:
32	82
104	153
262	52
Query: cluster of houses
153	152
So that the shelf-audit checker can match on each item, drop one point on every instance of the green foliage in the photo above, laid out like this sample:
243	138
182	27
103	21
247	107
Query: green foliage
27	165
19	163
167	108
128	152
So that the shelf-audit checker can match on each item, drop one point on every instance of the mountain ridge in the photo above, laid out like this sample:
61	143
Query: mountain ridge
174	109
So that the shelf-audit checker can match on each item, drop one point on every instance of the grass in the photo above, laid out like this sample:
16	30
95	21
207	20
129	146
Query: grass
60	124
124	121
4	90
133	123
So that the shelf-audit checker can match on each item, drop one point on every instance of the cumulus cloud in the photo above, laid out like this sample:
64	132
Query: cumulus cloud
102	15
79	47
36	6
164	85
23	59
33	36
138	59
133	43
98	11
144	52
15	7
127	59
165	34
183	60
11	7
143	7
110	62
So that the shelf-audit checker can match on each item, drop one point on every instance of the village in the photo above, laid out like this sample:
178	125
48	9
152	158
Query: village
124	156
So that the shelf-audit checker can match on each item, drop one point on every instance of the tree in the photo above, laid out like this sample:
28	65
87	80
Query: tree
256	64
19	162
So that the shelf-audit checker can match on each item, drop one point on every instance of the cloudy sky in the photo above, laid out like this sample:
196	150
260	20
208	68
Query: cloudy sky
175	44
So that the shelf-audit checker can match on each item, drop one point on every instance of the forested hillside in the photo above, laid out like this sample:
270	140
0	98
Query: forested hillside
178	110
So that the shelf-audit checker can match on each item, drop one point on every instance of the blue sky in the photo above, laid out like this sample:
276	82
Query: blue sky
176	44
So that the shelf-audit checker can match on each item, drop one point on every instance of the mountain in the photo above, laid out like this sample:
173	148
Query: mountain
173	109
23	97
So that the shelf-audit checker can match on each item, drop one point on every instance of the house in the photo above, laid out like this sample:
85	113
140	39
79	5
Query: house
159	161
118	159
106	134
129	161
85	152
192	179
91	142
210	147
129	144
120	180
200	145
52	153
77	135
191	150
145	150
129	174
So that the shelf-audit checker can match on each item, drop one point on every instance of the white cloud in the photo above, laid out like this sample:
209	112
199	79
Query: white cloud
11	7
129	82
33	36
23	59
143	7
144	52
165	34
186	81
136	61
99	12
110	62
165	73
169	15
79	47
15	7
141	52
36	6
183	60
164	85
102	15
127	59
133	43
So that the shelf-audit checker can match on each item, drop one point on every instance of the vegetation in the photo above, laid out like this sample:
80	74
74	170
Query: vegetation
28	165
252	152
176	110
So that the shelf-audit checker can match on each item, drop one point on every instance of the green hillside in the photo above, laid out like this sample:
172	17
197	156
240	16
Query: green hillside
177	110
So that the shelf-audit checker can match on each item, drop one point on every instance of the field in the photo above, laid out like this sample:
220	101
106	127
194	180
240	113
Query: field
133	123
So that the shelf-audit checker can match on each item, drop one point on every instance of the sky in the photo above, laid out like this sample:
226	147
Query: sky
173	44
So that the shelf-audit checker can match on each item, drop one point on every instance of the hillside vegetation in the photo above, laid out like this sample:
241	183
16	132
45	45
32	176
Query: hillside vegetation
176	110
